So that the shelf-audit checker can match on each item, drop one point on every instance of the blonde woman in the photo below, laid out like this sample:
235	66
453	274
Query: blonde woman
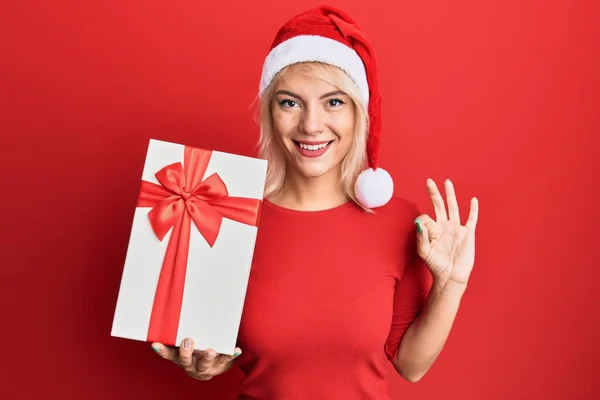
345	277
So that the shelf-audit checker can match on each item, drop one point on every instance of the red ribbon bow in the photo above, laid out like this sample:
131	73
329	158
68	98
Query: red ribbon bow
182	197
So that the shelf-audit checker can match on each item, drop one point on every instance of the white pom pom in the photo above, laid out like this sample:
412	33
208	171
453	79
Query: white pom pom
374	188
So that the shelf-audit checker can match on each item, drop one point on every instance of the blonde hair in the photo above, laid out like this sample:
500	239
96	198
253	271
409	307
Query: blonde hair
352	164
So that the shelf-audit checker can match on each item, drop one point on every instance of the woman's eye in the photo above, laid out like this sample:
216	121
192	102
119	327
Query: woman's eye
335	102
288	103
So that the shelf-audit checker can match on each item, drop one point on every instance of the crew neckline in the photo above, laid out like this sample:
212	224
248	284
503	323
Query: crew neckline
346	205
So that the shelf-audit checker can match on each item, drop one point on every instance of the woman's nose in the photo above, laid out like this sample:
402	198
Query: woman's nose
312	121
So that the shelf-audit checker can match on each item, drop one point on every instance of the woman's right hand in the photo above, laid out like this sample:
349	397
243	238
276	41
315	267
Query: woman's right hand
199	364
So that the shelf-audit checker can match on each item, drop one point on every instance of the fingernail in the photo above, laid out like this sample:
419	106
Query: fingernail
237	352
419	229
155	348
187	344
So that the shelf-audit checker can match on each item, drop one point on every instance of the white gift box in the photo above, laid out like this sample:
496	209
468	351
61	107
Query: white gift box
191	246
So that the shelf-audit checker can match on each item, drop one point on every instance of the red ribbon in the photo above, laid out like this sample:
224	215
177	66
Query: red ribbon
183	197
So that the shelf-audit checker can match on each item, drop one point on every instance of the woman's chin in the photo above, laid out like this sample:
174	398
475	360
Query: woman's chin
314	171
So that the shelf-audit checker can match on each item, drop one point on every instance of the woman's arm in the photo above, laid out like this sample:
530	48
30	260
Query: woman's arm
448	250
426	336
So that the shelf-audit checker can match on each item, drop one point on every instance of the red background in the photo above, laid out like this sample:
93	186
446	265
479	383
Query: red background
501	96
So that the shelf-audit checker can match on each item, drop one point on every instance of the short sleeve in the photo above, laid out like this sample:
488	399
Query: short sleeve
410	295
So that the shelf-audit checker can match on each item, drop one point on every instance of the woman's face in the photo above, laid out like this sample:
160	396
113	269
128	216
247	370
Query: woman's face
313	122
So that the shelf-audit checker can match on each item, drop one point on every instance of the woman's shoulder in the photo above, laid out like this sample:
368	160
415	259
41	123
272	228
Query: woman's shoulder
399	207
396	217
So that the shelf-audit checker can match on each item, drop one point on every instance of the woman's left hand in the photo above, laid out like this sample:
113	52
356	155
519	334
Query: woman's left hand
446	246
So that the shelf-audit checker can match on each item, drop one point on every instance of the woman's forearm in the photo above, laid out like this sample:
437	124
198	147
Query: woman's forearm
425	338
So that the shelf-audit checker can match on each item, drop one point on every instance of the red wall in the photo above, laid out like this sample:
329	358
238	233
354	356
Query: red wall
502	96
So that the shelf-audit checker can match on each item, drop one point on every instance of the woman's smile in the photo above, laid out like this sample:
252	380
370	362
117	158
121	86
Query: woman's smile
312	149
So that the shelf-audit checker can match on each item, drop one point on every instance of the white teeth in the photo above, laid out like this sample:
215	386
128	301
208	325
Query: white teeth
312	147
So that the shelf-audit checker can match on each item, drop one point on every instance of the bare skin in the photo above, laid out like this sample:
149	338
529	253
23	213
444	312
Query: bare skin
303	109
201	365
309	111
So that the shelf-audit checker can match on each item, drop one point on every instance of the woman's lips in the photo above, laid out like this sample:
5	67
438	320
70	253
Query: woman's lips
312	149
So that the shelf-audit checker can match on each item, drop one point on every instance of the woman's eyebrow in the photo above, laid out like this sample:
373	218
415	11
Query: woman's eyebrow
288	93
334	93
292	94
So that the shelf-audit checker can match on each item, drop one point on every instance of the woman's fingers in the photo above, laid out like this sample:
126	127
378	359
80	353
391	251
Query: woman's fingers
186	350
437	200
453	210
473	214
425	222
199	364
424	226
205	360
224	359
165	352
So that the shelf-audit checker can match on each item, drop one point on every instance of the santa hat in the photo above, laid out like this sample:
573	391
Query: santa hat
328	35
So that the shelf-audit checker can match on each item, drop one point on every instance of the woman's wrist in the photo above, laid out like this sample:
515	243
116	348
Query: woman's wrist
448	286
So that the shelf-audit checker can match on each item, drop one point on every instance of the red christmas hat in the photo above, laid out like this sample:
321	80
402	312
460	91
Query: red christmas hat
328	35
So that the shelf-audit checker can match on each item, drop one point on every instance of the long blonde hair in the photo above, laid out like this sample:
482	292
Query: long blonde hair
352	164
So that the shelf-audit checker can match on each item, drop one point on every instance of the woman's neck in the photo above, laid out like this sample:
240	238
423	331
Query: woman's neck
310	194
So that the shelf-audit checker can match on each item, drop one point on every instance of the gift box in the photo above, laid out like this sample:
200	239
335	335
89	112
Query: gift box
190	248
